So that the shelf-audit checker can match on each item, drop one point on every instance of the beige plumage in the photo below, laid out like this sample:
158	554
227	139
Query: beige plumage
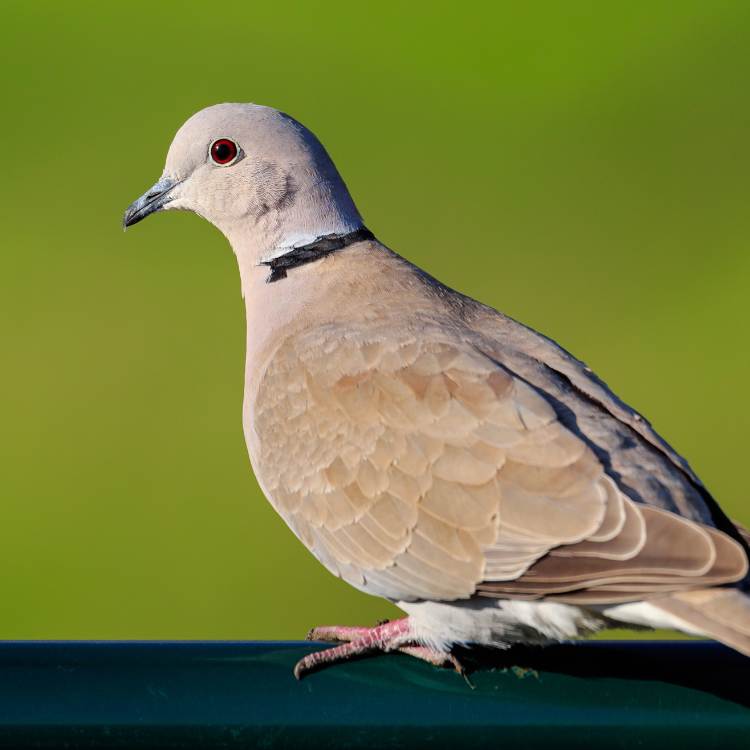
430	450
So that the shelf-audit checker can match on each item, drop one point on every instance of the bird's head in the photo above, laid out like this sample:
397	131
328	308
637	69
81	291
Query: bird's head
258	175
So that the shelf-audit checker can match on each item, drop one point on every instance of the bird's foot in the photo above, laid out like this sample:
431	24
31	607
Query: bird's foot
338	633
357	642
394	635
434	656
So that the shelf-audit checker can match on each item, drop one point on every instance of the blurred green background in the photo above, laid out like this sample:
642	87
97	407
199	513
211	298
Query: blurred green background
583	167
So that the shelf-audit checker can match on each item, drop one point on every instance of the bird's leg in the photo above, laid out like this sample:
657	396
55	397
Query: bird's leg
389	636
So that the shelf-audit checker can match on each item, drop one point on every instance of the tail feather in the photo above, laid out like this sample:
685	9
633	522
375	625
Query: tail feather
719	613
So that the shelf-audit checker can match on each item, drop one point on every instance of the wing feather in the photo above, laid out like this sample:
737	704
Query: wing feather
422	469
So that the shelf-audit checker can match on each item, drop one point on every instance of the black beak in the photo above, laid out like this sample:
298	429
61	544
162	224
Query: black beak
150	202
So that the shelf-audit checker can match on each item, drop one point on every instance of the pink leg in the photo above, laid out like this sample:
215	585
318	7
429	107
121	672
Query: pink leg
386	637
337	633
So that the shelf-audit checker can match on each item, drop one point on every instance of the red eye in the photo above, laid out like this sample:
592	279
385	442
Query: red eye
223	151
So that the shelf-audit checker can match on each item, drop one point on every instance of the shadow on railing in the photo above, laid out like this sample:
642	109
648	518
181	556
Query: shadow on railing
702	666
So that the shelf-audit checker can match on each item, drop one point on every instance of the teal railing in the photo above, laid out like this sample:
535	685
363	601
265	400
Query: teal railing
231	695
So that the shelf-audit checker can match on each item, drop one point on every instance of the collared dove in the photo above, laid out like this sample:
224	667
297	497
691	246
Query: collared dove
429	449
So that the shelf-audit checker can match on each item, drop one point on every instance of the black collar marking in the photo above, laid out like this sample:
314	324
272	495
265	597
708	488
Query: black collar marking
300	256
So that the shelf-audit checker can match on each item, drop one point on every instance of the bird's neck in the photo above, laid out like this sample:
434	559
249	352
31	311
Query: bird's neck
263	262
316	210
310	252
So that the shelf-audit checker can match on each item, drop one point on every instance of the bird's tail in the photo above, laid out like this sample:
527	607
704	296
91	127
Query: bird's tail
719	613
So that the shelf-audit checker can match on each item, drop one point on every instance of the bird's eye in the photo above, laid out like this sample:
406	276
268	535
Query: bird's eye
223	151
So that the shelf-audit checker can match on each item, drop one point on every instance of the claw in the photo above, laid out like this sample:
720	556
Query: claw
299	670
435	657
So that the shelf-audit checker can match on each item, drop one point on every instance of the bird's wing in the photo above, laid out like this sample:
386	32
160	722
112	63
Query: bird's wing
417	467
645	466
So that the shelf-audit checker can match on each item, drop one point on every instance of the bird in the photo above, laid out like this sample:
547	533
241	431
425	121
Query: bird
428	449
